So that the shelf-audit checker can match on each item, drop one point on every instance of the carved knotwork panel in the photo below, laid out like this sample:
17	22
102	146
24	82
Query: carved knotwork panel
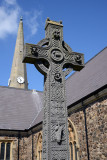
57	93
57	109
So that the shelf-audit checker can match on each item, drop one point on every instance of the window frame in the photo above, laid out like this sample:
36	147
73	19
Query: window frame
5	150
73	138
39	147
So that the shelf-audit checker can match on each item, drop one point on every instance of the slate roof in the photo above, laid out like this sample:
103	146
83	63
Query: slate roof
92	77
21	109
18	108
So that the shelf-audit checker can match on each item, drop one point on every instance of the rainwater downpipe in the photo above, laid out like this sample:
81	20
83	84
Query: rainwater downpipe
18	144
32	146
86	131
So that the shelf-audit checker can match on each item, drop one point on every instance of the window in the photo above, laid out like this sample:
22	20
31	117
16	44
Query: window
73	141
5	150
71	151
39	147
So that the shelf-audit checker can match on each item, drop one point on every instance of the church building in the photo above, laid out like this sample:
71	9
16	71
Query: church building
21	111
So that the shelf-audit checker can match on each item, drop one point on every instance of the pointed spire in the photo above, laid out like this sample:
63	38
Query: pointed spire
18	77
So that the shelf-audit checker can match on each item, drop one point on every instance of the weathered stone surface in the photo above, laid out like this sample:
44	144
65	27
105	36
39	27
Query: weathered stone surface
18	69
79	122
25	148
97	129
96	123
55	59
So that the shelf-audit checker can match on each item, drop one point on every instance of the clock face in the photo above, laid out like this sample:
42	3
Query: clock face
20	80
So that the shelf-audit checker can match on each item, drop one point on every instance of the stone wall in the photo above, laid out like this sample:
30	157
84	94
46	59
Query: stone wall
97	130
90	123
79	123
25	148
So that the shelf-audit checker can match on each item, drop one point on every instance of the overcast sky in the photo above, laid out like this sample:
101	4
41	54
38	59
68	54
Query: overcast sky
85	29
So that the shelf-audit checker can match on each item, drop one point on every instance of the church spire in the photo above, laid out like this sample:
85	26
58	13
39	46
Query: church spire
18	77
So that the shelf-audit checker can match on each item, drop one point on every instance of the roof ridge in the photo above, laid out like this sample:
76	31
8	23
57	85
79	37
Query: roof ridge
20	89
96	55
15	88
34	119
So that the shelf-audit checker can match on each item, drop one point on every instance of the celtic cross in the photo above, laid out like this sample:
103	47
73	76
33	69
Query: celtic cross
55	59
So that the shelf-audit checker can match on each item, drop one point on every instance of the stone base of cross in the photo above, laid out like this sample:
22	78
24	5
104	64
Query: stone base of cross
55	59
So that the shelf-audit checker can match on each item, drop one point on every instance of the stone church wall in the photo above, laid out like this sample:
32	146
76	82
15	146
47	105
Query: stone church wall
91	125
25	148
97	130
78	120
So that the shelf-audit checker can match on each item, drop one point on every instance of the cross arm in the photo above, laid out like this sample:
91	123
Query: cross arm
34	52
74	60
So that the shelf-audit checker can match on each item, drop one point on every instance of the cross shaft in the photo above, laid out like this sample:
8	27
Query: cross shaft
55	59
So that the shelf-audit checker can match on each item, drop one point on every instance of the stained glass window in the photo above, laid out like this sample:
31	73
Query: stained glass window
71	151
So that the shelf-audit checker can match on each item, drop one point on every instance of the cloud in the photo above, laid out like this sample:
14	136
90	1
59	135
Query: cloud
8	18
32	21
11	2
10	13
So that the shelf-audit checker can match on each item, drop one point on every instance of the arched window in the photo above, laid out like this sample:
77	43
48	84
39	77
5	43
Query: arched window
39	147
5	150
2	151
73	141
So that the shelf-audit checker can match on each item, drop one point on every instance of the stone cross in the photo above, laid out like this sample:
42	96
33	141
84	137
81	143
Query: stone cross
55	59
